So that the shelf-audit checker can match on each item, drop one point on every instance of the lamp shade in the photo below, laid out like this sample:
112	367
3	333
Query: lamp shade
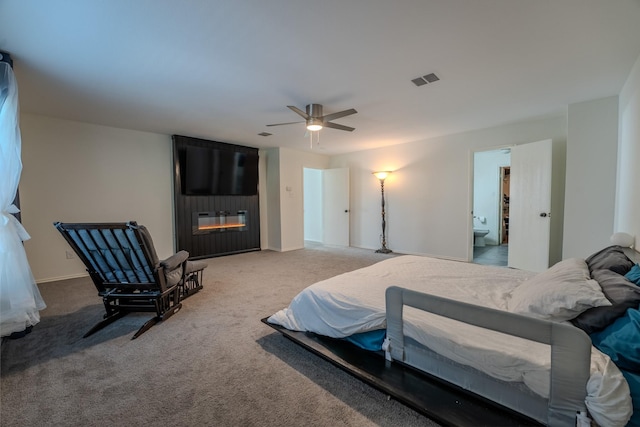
622	239
382	175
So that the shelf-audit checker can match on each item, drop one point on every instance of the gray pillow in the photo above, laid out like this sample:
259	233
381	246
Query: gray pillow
610	258
623	295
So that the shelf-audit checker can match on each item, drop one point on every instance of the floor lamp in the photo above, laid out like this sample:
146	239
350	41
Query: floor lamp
382	175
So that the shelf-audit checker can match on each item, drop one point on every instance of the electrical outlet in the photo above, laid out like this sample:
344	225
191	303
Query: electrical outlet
70	255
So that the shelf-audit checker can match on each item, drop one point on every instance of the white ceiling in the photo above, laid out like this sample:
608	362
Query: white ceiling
224	69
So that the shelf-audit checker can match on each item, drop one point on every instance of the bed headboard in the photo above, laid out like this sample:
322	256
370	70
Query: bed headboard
626	242
633	254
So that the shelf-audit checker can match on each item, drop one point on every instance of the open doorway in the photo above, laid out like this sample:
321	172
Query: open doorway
312	200
326	206
530	195
491	194
505	182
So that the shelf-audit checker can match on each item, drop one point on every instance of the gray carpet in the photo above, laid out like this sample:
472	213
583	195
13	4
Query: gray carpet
212	364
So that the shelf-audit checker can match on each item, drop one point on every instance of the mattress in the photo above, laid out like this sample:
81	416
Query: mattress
354	303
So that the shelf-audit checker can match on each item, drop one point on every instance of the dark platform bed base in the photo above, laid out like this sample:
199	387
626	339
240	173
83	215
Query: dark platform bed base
444	403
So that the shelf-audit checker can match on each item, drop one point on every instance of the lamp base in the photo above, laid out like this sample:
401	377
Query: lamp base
384	250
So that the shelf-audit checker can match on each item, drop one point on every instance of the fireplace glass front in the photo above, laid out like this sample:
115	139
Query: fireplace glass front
219	221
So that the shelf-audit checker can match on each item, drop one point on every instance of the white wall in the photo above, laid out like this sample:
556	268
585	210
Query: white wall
486	192
627	213
78	172
262	198
285	195
429	193
592	140
274	221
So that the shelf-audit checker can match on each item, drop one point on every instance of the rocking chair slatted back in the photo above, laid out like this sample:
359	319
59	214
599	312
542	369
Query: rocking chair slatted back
115	254
123	265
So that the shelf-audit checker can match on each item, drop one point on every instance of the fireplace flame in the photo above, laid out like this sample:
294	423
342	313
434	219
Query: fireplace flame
220	226
219	221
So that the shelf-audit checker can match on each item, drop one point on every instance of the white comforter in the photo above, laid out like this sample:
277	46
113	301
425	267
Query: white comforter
355	302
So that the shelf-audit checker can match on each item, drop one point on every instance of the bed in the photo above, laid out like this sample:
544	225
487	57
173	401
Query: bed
556	346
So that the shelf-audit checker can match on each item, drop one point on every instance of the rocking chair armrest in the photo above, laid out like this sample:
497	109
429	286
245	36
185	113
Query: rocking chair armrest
175	261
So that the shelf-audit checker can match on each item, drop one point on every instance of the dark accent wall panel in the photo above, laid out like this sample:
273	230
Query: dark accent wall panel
215	243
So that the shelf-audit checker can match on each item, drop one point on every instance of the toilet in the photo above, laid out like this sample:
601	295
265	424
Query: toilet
478	237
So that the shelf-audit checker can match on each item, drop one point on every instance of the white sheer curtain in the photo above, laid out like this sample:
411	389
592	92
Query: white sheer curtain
20	299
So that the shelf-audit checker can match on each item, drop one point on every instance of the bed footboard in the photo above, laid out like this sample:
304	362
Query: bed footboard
570	347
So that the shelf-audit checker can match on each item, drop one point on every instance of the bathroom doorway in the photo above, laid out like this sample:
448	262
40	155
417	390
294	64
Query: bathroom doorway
491	194
530	198
505	182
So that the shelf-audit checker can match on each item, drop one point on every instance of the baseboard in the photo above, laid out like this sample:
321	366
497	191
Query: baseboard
55	279
415	253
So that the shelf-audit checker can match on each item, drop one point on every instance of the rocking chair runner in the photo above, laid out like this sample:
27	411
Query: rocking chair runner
123	264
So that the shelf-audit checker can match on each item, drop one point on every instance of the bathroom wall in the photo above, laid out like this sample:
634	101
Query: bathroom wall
486	191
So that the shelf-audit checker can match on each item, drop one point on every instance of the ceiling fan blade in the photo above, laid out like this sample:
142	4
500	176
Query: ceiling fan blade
337	126
339	114
298	111
280	124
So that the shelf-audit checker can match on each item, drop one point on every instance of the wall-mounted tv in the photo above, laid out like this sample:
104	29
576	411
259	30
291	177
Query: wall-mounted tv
216	171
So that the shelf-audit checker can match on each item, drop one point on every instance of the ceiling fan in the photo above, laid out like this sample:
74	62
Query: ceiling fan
316	121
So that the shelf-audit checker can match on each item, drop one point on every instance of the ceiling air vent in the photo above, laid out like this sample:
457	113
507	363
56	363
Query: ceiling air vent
429	78
419	81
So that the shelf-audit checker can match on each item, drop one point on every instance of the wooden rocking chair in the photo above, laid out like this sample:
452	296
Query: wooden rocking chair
122	262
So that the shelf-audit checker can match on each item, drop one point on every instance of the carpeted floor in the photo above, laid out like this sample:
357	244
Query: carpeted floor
212	364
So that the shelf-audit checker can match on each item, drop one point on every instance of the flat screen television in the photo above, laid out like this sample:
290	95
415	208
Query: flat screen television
211	171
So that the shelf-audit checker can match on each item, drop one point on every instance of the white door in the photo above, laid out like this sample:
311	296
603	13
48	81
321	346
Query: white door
335	195
530	206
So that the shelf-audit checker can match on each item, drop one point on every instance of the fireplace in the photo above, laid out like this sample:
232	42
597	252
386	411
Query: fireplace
219	222
209	225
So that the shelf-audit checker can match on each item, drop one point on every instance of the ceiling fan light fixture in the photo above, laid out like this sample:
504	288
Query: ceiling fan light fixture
314	124
315	120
